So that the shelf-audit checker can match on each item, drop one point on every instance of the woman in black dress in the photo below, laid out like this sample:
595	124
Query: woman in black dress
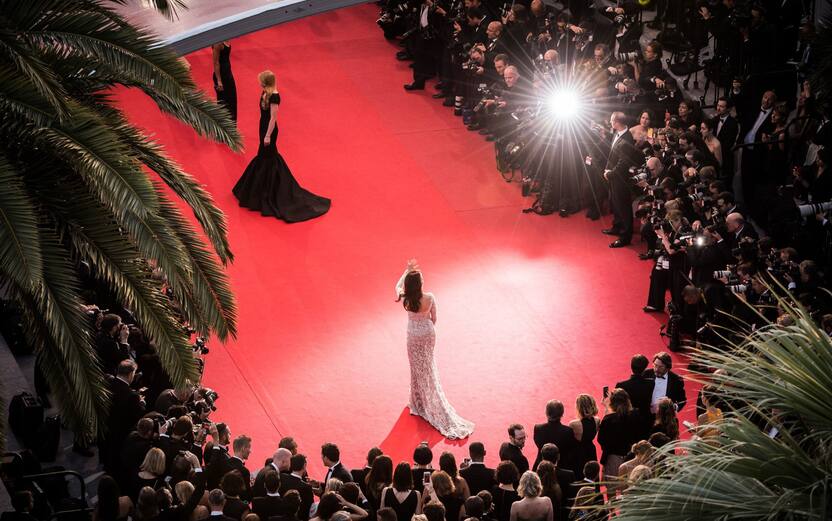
267	185
585	428
400	496
224	84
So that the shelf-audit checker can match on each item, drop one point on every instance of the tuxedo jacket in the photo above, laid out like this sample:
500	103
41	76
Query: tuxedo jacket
640	390
218	464
267	506
479	477
675	387
748	121
258	489
622	156
728	134
126	408
358	476
561	435
339	471
307	497
515	455
238	464
566	479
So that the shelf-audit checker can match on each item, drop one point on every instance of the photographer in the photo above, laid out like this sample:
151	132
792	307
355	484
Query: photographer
668	271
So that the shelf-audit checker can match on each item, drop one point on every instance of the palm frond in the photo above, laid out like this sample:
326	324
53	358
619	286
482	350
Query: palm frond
64	340
209	280
168	8
20	257
36	73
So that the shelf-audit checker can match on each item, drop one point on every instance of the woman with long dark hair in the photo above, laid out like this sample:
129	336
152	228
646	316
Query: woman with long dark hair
112	506
427	399
379	477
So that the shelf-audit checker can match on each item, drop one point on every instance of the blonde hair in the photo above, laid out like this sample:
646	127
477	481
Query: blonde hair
530	485
442	483
184	490
268	81
154	462
585	404
640	473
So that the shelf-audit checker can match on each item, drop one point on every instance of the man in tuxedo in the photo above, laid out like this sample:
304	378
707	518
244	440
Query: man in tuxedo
622	156
216	502
133	451
553	431
242	450
126	407
476	474
331	457
566	478
296	480
752	168
217	458
665	382
512	450
111	345
358	475
280	462
640	389
272	503
179	440
727	130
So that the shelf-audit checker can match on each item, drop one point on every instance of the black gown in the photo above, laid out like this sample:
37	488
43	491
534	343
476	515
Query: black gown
267	185
227	97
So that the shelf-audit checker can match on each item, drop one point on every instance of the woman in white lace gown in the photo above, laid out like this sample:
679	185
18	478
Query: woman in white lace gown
426	396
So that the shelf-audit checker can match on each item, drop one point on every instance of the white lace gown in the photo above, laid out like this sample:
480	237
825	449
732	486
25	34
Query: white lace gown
426	396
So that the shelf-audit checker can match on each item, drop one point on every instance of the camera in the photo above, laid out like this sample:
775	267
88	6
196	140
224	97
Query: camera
200	345
209	396
470	65
808	210
628	56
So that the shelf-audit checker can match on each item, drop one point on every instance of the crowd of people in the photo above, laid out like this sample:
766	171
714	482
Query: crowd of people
731	200
166	459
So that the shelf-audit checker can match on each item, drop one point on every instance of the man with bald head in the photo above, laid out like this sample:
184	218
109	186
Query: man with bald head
622	156
279	462
737	229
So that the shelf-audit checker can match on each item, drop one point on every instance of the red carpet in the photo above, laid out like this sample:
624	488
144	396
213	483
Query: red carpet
529	308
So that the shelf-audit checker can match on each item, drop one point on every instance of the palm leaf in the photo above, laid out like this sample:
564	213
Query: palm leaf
168	8
20	257
209	281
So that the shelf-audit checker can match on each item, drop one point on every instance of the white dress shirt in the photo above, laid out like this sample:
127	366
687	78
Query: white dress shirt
752	134
659	391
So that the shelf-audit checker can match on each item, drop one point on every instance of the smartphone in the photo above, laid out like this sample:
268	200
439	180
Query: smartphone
606	391
649	132
688	425
426	477
467	461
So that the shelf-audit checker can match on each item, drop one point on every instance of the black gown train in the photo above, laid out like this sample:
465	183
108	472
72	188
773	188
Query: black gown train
227	97
267	185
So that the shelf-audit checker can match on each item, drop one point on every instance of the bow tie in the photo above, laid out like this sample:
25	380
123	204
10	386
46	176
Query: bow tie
661	377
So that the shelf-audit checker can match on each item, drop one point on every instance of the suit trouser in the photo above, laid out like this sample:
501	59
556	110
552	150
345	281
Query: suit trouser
622	208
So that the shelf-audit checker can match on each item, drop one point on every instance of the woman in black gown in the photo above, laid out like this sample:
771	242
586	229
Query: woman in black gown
223	79
267	185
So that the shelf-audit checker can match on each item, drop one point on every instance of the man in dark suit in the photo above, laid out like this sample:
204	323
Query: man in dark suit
640	389
216	501
737	230
622	156
296	480
476	474
665	382
271	504
512	450
280	462
177	440
358	475
566	478
133	451
553	431
242	450
755	123
126	407
217	457
727	130
331	457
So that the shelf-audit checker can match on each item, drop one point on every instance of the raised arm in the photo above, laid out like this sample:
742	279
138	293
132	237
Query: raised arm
400	283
